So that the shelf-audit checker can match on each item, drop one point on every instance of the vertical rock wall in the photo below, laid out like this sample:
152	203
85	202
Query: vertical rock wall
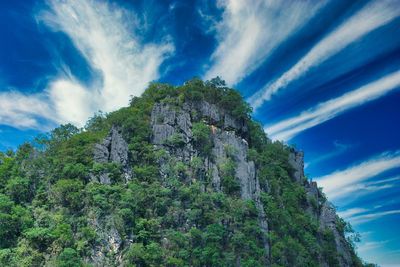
168	120
321	209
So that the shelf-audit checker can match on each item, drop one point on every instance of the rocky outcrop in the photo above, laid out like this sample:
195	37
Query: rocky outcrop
296	160
215	115
245	172
319	208
171	122
108	242
113	149
329	220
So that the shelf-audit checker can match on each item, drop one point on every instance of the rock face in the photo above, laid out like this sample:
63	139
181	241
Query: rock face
113	149
169	121
172	130
296	159
109	242
321	209
329	220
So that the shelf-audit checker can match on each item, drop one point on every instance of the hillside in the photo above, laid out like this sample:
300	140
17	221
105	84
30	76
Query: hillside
181	177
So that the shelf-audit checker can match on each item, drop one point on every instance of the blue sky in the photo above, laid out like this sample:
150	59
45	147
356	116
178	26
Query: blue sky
323	75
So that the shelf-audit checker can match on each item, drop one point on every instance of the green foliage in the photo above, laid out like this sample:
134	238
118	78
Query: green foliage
19	189
175	140
68	193
228	179
14	219
201	136
69	258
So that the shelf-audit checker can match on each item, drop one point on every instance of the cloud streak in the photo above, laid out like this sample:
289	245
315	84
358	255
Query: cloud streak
374	15
23	111
325	111
343	182
372	216
106	35
250	30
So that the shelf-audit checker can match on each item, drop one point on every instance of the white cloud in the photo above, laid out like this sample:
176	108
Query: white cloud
384	181
372	216
374	15
351	212
372	245
251	29
106	35
23	111
322	112
344	182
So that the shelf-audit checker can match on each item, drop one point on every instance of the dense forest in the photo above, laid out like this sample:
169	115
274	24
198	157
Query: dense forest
181	177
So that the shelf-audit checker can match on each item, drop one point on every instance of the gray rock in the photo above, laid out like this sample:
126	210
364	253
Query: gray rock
161	133
328	220
245	173
163	113
108	243
296	160
185	125
210	111
215	115
113	149
245	170
167	120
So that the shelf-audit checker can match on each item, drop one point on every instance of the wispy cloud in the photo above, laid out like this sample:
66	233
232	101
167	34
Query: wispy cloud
372	245
372	216
250	30
363	188
374	15
24	111
343	182
322	112
346	214
106	35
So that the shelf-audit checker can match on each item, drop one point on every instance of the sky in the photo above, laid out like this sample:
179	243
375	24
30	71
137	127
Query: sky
323	75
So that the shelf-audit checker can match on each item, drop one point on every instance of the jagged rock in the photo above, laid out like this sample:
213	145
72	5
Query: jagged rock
215	116
113	149
185	125
314	197
296	160
245	173
166	121
161	133
108	242
208	110
245	170
328	220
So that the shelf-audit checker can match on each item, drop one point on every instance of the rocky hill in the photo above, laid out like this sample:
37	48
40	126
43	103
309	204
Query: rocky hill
181	177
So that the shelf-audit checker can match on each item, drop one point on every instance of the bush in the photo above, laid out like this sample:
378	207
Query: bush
69	258
202	137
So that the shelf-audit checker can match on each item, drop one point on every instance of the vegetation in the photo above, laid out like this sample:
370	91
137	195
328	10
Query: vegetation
52	212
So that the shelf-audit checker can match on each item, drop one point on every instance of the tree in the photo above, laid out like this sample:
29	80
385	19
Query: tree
18	189
68	193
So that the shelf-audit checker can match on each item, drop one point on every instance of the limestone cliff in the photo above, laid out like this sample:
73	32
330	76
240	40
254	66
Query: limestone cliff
172	131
